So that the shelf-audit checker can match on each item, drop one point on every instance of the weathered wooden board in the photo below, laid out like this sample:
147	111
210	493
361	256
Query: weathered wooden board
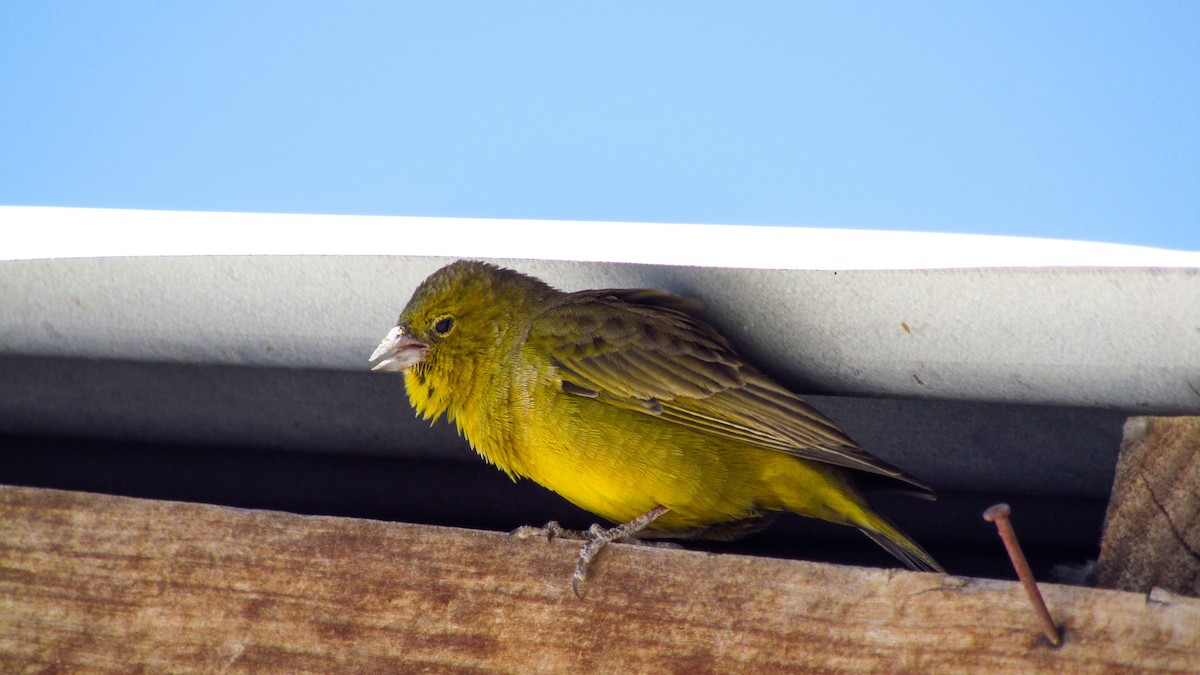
116	584
1152	528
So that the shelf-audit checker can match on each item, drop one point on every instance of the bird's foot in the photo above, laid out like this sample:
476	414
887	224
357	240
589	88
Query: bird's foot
599	537
549	532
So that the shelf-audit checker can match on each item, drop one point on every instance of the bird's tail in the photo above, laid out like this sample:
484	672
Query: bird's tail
897	543
820	491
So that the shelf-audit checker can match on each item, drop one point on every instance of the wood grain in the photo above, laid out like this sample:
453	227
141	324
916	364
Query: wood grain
101	583
1152	528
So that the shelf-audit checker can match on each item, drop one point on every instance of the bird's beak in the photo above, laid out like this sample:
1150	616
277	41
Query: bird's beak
399	351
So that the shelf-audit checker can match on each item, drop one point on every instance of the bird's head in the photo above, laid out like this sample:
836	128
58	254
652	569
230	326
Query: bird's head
456	327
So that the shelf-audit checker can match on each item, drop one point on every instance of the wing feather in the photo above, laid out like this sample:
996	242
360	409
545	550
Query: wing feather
643	350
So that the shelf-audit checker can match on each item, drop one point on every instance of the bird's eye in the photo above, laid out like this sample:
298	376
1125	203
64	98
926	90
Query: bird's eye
444	325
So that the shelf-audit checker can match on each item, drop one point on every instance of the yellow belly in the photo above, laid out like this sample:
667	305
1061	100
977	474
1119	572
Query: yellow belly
619	464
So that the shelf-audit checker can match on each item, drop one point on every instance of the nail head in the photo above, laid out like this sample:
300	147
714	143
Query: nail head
996	512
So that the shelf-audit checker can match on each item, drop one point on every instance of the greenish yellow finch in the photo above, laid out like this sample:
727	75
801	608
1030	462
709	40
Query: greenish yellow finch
629	406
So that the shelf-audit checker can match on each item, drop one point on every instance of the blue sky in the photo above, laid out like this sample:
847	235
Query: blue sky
1076	120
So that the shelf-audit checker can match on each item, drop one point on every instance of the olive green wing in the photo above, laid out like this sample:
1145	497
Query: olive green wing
643	350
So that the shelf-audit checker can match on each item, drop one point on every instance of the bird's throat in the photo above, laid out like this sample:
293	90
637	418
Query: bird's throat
430	398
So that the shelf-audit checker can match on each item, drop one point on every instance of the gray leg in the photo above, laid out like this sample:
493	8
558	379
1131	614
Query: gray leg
599	537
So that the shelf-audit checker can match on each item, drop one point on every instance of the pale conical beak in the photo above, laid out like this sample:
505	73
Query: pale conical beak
399	351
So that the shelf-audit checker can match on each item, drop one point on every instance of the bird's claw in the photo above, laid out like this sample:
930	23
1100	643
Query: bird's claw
549	531
596	538
599	537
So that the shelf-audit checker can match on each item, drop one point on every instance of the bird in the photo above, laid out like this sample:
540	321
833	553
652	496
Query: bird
632	407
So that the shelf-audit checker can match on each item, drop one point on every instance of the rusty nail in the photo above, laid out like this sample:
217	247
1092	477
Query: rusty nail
998	514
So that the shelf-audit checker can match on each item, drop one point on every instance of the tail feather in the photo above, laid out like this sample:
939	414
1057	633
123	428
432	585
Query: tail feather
906	550
818	490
